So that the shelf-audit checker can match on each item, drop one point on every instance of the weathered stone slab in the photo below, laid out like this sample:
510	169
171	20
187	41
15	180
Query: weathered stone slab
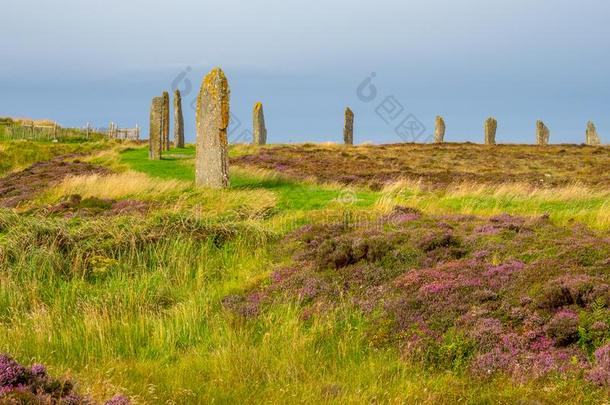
592	137
439	130
491	125
212	119
156	122
542	133
165	127
178	121
348	128
259	131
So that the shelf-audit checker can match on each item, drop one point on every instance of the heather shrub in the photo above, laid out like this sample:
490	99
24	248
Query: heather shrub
600	374
436	241
567	290
449	295
563	327
341	252
21	385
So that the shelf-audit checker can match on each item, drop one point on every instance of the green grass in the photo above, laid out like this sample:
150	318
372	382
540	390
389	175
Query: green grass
293	195
134	304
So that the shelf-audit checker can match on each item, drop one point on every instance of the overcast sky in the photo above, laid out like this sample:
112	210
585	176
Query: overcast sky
518	60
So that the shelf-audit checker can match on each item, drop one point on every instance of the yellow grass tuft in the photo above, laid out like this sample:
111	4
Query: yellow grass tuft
575	202
175	195
128	184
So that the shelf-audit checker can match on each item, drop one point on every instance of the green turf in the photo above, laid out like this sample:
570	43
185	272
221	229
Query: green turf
292	195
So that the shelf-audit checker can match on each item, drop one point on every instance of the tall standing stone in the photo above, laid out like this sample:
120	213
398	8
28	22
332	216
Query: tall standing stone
259	131
348	128
212	119
156	123
439	131
491	125
178	121
592	138
542	133
165	127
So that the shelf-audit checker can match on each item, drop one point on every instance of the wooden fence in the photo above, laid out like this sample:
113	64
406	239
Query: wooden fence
43	133
114	132
37	132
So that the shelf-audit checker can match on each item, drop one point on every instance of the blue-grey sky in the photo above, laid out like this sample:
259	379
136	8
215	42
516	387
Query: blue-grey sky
519	60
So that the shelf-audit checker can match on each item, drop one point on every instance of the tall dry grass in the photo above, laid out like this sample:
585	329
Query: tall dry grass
565	204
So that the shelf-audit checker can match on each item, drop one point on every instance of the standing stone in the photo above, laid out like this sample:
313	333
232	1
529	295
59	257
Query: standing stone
348	128
439	132
165	127
491	125
156	122
592	138
178	121
542	133
212	119
259	131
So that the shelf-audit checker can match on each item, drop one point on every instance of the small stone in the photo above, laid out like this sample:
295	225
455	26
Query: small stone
439	131
259	131
592	138
156	123
178	121
348	129
212	119
491	125
542	133
165	127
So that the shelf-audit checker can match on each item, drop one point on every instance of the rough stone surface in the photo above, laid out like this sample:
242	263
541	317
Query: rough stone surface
439	131
178	121
165	127
491	125
212	119
348	129
592	138
156	124
542	133
259	131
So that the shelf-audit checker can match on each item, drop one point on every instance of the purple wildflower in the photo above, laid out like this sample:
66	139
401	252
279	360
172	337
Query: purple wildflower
602	357
11	372
118	400
38	370
600	374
